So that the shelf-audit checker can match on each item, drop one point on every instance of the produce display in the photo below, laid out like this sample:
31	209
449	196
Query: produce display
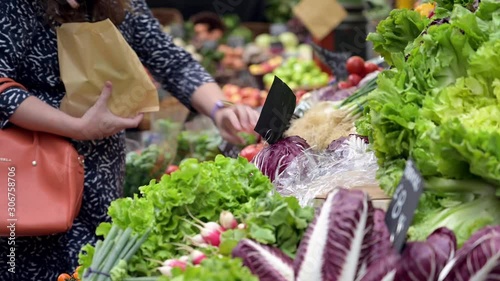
266	67
358	69
193	208
308	206
299	74
143	166
247	95
438	104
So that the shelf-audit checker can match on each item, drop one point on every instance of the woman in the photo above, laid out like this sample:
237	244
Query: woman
28	54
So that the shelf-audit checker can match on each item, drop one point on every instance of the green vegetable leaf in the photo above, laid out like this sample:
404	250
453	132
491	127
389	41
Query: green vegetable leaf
262	235
395	32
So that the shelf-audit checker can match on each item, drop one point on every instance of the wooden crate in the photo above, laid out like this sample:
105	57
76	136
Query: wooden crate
378	197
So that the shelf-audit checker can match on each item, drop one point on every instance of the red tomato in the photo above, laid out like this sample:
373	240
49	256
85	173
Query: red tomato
171	169
370	67
356	65
354	79
64	277
250	151
345	85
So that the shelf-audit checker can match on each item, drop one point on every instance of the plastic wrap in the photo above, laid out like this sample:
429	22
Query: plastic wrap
347	163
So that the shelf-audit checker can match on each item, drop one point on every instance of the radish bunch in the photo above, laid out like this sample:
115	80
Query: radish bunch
210	235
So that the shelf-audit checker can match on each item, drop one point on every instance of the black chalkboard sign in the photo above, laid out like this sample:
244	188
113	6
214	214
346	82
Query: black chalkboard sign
404	202
277	112
335	60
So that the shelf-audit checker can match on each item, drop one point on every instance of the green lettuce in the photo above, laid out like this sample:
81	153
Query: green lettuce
204	190
462	206
395	32
214	269
440	106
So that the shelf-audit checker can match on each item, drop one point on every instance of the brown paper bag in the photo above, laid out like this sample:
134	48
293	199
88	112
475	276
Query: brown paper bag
320	16
91	54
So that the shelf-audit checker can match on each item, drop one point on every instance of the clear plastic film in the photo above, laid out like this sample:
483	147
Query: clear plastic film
347	163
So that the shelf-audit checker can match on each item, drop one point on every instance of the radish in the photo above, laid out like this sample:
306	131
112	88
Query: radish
227	220
198	241
241	226
184	259
210	231
168	265
195	256
175	263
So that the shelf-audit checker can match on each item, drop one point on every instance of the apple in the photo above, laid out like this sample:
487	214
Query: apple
289	39
255	69
268	79
251	101
263	40
309	65
324	78
316	82
266	68
293	85
299	68
315	71
297	77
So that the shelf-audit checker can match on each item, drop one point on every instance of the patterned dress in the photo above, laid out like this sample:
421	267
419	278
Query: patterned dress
28	54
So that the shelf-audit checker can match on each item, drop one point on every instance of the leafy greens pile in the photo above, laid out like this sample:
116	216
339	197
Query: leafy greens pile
440	105
204	190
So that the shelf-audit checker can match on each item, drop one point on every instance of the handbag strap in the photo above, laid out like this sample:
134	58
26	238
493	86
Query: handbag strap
7	83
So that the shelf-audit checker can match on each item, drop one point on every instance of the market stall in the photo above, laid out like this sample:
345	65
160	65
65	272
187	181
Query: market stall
385	169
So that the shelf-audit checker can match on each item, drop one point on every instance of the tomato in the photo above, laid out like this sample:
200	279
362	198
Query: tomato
250	151
345	85
75	274
354	79
64	277
171	169
356	65
370	67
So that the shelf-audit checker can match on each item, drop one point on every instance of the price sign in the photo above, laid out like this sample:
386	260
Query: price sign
335	60
404	202
277	112
229	150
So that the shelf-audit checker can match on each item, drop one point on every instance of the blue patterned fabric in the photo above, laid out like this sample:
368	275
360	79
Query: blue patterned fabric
28	54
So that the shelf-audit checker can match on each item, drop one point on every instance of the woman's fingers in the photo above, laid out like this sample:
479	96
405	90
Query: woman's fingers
243	116
127	123
102	101
73	3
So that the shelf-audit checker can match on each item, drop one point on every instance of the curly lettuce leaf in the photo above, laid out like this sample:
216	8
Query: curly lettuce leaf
395	32
214	269
485	62
463	206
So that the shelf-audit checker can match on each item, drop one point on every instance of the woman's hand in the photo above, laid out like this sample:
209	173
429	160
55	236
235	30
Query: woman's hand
235	119
99	122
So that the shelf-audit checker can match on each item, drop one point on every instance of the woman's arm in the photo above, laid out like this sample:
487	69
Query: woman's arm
98	122
184	77
172	66
34	114
27	111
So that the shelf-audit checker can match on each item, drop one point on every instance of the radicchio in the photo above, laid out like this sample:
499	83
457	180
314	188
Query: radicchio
267	263
381	258
424	260
274	159
336	242
478	259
